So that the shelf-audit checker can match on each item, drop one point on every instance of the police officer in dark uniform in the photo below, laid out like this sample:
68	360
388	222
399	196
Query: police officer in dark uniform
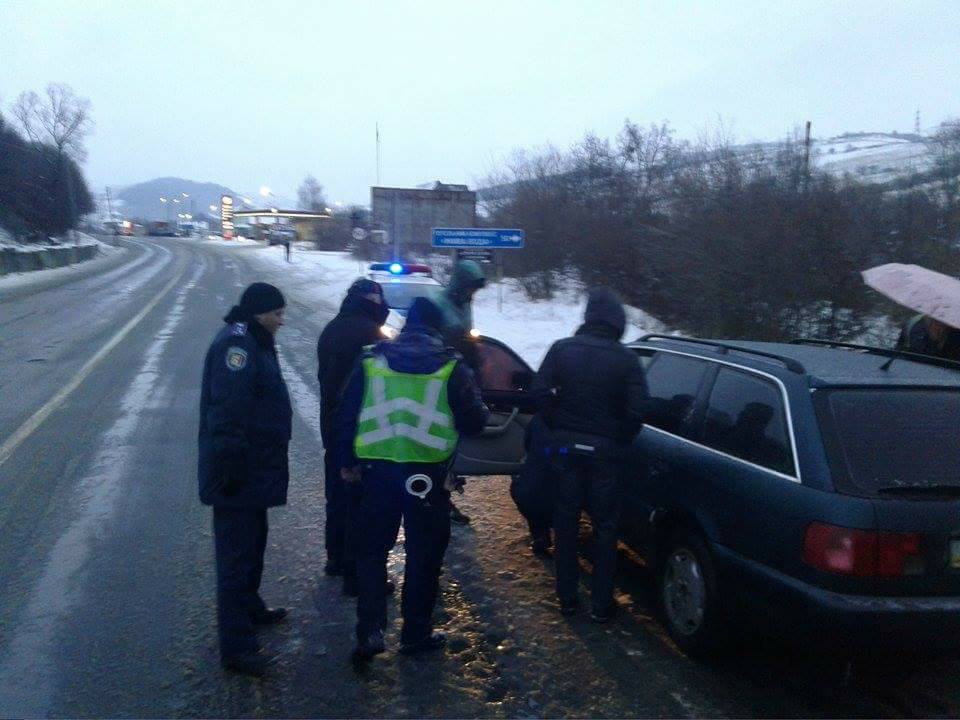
593	395
401	417
245	422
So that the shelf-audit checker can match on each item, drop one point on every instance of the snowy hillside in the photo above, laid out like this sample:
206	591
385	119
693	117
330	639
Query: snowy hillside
872	157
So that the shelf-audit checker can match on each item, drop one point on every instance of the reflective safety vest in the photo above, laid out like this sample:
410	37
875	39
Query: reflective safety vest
405	417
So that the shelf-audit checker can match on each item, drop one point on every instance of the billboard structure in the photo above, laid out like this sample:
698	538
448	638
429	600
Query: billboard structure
226	217
408	215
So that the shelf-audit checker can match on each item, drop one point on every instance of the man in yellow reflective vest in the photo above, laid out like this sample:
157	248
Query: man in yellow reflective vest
401	416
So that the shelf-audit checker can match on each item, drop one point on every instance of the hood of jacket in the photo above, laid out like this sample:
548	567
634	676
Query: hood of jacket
418	349
467	274
604	314
354	304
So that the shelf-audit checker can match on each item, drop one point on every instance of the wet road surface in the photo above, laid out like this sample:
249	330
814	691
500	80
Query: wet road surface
106	563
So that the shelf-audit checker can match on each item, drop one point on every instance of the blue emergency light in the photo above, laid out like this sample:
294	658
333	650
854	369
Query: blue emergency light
396	268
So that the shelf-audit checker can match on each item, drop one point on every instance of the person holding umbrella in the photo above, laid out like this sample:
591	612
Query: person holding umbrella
928	336
935	296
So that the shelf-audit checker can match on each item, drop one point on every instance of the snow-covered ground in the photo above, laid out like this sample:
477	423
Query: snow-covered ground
876	157
7	241
527	326
217	240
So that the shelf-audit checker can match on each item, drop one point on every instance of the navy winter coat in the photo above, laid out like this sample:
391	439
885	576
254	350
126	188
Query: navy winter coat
245	421
418	350
591	389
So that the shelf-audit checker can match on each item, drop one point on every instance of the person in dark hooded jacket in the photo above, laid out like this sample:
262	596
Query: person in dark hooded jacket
404	409
455	302
245	423
356	326
592	393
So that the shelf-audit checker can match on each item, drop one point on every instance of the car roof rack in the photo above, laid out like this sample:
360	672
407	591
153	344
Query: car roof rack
791	364
885	352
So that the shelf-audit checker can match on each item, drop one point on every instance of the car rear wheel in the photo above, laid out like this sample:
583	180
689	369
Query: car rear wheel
688	595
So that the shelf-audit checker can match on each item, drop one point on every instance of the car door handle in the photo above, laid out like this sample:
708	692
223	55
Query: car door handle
498	430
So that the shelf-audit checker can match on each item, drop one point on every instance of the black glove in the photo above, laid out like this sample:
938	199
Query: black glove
231	474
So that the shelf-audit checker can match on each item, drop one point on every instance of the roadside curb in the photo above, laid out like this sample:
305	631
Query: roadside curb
14	260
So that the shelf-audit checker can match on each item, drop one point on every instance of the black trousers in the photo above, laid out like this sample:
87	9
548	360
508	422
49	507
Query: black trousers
426	524
586	483
342	502
240	538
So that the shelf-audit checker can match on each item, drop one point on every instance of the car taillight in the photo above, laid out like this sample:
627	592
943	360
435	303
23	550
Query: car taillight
899	554
861	553
840	550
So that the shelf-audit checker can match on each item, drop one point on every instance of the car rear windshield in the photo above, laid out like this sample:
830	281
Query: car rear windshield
400	296
889	438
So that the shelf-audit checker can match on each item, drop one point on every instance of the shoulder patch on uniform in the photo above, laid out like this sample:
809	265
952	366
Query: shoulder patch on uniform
239	329
236	358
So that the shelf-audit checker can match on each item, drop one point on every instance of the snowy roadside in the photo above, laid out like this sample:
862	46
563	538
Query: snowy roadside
14	280
216	240
527	326
83	240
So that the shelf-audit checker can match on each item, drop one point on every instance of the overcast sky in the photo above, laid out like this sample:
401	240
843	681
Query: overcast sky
262	93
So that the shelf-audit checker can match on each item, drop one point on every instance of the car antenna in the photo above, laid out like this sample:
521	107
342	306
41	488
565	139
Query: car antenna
888	363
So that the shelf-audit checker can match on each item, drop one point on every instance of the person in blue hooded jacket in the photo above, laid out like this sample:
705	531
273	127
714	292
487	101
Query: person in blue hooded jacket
245	423
400	418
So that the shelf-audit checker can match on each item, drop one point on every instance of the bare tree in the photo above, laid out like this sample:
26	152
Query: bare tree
649	155
310	195
945	148
61	119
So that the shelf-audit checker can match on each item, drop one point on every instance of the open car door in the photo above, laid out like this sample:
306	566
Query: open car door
505	381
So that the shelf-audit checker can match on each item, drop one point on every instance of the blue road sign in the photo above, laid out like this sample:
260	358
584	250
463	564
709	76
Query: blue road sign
477	238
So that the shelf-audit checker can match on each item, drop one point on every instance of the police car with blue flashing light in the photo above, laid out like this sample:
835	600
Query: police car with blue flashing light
403	283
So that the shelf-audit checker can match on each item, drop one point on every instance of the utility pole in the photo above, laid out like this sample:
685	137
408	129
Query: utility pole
806	155
378	153
916	122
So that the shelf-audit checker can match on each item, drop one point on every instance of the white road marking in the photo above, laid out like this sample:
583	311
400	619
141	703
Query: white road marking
304	398
28	675
35	420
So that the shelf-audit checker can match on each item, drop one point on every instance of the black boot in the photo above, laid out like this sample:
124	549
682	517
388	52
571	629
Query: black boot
268	616
541	544
458	517
432	642
369	647
254	664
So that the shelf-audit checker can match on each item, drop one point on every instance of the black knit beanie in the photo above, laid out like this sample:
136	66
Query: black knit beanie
261	298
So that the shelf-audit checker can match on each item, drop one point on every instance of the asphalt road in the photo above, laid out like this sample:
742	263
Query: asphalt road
106	563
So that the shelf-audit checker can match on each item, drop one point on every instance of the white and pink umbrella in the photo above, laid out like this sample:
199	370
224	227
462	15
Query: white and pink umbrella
919	289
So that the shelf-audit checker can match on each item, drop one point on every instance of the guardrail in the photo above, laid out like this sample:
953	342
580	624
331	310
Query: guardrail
13	260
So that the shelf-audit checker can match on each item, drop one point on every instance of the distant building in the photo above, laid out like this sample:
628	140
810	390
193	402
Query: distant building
410	214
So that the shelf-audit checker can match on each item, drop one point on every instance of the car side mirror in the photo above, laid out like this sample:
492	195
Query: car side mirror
522	380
